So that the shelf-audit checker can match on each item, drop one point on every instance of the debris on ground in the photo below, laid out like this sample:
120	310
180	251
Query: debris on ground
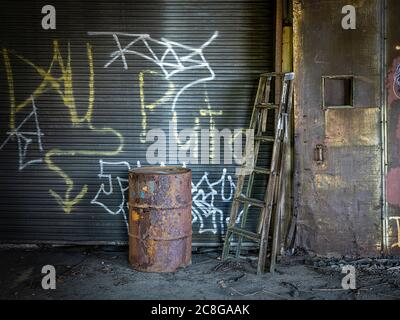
92	273
388	268
246	265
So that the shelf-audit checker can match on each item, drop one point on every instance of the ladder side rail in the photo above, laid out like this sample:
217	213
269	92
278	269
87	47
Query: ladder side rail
259	128
277	214
265	221
241	179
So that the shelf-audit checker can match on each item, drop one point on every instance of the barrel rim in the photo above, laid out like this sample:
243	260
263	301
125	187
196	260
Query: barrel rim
153	170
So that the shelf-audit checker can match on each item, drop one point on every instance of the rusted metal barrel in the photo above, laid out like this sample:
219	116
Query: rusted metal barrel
160	219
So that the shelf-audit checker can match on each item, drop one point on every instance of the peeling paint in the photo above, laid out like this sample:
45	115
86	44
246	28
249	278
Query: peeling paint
151	186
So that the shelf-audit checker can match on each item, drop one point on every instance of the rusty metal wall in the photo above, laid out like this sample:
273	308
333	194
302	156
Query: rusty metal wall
393	94
337	201
64	177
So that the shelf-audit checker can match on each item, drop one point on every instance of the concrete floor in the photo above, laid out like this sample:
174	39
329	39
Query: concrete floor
104	273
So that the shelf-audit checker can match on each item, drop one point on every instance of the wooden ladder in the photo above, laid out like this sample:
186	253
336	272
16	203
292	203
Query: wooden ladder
272	203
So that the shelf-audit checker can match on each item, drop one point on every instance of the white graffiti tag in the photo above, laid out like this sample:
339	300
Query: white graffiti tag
106	190
25	138
396	82
397	243
173	57
204	195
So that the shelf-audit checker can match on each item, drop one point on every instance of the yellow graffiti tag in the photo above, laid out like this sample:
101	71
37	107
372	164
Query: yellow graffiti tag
144	106
63	86
212	125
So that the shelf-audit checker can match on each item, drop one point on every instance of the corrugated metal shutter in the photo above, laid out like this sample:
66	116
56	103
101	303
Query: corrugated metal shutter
64	155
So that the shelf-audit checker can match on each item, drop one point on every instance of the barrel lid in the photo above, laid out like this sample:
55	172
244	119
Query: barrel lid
160	170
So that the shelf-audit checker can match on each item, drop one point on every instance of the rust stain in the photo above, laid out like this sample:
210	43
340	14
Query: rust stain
151	250
352	127
328	181
135	216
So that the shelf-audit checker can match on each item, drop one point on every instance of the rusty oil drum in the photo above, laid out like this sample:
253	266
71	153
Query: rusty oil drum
160	219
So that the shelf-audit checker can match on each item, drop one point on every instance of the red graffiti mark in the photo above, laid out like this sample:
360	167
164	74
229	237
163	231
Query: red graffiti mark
393	187
392	82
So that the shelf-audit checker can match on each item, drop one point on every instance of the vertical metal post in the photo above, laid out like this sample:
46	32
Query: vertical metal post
384	123
278	43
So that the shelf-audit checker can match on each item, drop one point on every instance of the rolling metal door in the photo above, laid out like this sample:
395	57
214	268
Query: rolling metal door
75	109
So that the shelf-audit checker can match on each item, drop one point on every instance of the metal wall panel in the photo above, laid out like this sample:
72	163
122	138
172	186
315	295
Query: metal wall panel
338	200
64	154
393	93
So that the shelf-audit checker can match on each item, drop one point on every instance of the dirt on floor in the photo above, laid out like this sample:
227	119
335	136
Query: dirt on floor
102	272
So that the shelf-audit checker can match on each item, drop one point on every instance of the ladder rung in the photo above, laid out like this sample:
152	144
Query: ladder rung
262	170
265	138
287	75
245	233
255	202
267	106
